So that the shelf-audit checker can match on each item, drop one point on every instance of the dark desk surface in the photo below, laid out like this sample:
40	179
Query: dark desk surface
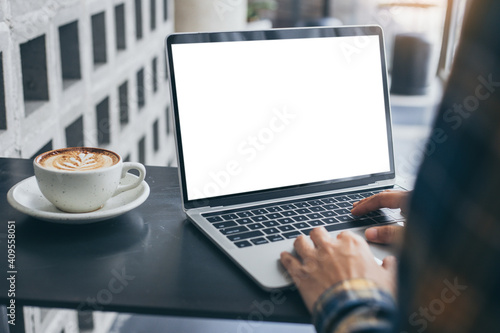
149	260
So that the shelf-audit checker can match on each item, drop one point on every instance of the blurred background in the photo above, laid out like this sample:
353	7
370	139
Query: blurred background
93	73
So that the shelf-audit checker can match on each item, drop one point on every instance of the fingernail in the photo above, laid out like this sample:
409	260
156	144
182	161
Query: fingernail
371	234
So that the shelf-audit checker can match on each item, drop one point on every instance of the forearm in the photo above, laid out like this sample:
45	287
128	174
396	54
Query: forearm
356	305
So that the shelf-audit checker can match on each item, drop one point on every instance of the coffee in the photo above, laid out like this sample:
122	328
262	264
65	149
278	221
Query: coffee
77	159
82	179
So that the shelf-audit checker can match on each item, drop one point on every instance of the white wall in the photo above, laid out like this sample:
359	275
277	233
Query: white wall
32	125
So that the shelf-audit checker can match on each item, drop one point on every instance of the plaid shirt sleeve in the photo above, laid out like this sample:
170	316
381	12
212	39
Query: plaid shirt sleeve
356	305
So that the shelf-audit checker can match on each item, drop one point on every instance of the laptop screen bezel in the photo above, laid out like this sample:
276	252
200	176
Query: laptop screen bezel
273	34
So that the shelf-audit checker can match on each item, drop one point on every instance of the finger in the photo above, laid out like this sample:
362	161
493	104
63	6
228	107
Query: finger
320	237
303	247
386	199
289	261
293	266
390	263
388	234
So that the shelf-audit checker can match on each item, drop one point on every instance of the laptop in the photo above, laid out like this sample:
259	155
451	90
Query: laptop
279	132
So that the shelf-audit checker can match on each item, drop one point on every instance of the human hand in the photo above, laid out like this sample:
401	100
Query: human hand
328	261
388	234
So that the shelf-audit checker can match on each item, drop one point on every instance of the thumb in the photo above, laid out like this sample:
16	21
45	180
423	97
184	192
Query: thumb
388	234
390	263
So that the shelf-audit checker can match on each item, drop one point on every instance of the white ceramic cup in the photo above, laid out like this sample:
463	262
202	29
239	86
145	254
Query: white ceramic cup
84	179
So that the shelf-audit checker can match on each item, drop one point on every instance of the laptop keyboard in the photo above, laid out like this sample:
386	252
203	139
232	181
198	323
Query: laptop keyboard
263	224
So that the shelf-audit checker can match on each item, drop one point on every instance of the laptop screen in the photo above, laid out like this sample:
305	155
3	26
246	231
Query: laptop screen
257	115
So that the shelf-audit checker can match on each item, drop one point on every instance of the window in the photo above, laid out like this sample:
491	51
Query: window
156	136
141	93
74	133
167	119
165	10
103	125
152	10
3	111
123	103
141	146
46	147
70	53
99	38
138	19
154	65
121	42
34	71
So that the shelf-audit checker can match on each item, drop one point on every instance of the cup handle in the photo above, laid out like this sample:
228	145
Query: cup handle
129	166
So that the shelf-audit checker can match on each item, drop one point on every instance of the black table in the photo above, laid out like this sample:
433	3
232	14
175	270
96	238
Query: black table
150	260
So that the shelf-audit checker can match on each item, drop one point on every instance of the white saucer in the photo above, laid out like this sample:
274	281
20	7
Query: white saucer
26	197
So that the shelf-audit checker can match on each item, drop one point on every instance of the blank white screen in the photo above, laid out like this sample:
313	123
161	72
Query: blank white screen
257	115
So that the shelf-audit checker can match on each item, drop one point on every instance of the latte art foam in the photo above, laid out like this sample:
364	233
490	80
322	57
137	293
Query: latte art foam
77	160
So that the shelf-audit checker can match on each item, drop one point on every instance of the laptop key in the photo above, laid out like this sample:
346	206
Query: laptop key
259	241
226	224
345	218
271	224
288	207
300	218
243	244
244	214
288	213
352	224
331	206
366	194
259	211
273	216
302	211
234	230
306	231
230	217
274	209
316	223
342	211
328	213
317	209
245	235
330	220
292	234
329	200
275	238
285	220
344	204
342	198
314	216
286	228
315	202
302	204
355	197
213	219
271	231
244	221
255	226
301	225
259	218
